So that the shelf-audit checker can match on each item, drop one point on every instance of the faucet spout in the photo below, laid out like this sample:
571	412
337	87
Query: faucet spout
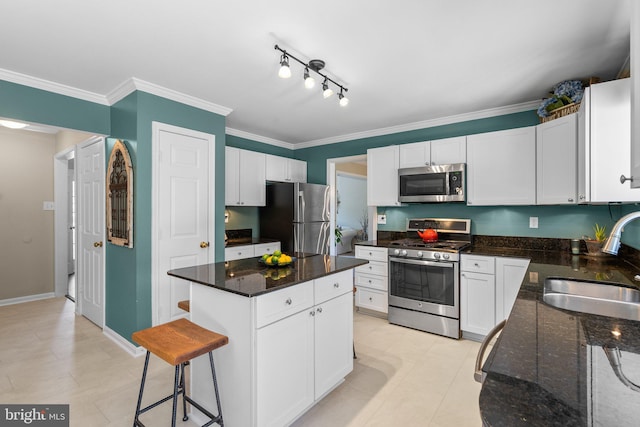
612	245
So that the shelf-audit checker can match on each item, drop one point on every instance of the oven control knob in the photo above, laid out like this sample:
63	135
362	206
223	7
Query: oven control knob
404	252
419	254
396	252
445	256
436	255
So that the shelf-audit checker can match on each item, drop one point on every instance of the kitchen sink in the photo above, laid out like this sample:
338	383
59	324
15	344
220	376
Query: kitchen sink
585	296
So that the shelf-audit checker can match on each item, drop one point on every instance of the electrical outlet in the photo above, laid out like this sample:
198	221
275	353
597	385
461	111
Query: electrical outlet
382	219
48	206
533	222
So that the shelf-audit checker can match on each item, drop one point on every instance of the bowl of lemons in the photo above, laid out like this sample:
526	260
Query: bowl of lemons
276	259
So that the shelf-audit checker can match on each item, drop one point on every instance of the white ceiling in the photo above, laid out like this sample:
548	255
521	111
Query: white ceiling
403	62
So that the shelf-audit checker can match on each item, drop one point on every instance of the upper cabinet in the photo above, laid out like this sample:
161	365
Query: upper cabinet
439	152
244	178
635	93
382	178
557	152
283	169
604	144
501	167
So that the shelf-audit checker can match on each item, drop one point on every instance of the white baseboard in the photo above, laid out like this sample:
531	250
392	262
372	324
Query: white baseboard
27	298
133	350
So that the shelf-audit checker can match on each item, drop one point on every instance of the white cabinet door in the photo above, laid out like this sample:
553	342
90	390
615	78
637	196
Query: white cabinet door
252	178
382	181
285	369
509	275
610	144
635	93
244	178
232	176
501	167
477	302
333	342
449	150
265	248
557	150
415	154
297	170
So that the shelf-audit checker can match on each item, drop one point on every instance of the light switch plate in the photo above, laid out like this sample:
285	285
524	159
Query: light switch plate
533	222
48	206
382	219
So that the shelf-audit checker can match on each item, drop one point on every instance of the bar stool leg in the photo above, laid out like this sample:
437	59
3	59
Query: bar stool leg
144	377
176	385
184	393
215	387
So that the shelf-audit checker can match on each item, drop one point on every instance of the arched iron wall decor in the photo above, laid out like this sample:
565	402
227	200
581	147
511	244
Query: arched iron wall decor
120	196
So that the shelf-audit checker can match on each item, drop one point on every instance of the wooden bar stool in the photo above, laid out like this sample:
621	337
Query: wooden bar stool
178	342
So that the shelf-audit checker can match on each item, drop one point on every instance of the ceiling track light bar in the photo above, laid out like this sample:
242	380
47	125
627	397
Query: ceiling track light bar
314	65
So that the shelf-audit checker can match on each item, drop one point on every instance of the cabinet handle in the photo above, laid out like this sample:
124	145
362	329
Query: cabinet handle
476	264
319	310
624	178
370	268
581	197
463	275
570	200
288	301
336	285
370	299
369	280
313	313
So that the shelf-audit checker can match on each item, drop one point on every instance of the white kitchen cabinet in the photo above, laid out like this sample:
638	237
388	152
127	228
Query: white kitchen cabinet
371	280
439	152
249	251
382	176
283	169
635	93
244	177
449	150
501	167
415	155
488	289
604	143
557	161
509	275
477	295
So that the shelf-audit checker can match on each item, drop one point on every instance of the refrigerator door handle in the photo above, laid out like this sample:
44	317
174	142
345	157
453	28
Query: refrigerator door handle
301	206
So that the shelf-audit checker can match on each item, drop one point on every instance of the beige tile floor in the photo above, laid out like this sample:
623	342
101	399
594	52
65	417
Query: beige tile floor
402	377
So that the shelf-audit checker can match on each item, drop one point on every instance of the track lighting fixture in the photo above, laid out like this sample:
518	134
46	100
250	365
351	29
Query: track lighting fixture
314	65
326	90
344	101
285	71
309	82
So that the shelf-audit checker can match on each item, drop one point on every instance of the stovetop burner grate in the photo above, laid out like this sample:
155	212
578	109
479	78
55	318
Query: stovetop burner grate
417	243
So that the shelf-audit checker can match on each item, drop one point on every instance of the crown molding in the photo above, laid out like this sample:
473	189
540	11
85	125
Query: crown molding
259	138
49	86
482	114
134	84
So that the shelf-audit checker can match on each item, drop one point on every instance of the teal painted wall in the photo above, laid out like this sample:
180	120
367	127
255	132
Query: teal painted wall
38	106
249	144
241	217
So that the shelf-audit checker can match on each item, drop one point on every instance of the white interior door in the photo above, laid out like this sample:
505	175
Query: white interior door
71	218
183	168
91	229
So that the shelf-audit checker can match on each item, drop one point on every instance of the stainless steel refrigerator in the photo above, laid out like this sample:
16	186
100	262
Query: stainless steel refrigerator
297	214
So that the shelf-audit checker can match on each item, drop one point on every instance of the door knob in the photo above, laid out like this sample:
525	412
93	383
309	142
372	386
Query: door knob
97	244
204	245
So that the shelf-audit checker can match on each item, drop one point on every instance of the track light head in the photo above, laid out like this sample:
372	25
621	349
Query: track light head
309	82
326	90
285	71
344	101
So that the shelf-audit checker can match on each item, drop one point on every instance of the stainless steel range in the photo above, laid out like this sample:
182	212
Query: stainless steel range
424	277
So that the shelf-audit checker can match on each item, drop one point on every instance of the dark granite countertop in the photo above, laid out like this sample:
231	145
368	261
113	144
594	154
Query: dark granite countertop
549	368
242	241
249	278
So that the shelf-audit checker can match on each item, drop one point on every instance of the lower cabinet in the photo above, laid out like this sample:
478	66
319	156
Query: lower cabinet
249	251
488	290
371	279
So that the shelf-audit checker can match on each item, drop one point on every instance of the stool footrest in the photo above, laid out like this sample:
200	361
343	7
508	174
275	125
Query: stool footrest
214	418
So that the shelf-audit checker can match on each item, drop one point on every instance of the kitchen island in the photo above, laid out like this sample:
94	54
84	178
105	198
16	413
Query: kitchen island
290	335
549	366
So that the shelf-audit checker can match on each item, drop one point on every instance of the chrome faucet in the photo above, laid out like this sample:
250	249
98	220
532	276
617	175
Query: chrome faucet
612	244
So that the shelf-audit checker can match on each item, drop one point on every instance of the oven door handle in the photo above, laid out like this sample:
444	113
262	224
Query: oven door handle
445	264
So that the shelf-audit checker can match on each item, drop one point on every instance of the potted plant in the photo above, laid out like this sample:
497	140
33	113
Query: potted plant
594	246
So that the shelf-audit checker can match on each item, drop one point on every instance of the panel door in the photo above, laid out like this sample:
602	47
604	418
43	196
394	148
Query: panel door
184	227
251	170
509	275
477	302
91	229
415	154
231	176
382	176
449	150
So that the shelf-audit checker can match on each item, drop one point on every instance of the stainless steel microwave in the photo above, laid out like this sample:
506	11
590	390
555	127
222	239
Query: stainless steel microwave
438	183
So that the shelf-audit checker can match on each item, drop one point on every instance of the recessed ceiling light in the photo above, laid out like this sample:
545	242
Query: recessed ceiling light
13	125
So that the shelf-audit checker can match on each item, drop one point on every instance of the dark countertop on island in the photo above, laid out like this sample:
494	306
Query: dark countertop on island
249	278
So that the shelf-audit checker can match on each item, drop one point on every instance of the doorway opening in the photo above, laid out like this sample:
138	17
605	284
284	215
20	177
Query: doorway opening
351	218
